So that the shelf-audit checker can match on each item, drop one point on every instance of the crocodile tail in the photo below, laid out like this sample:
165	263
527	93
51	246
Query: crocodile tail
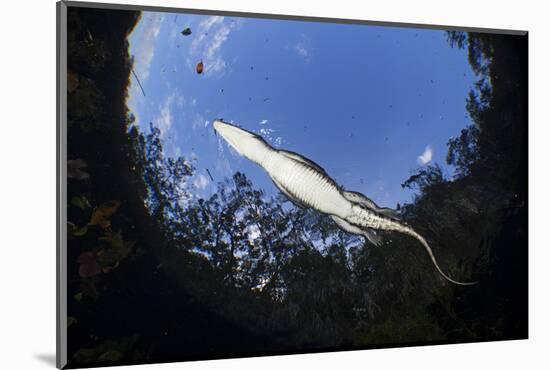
367	220
409	231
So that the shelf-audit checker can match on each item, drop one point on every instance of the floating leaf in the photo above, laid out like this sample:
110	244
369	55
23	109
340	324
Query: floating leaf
70	321
200	67
73	230
101	214
80	231
107	350
110	268
111	356
117	250
113	239
74	169
80	202
88	288
186	32
88	264
72	81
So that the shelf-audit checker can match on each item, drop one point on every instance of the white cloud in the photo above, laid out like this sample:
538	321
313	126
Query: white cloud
425	157
266	132
143	44
201	181
185	200
211	35
202	33
303	49
142	47
164	119
215	62
253	233
209	22
174	31
198	122
180	101
268	135
263	122
223	165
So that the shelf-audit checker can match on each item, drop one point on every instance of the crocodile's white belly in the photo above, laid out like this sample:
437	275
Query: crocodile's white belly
307	185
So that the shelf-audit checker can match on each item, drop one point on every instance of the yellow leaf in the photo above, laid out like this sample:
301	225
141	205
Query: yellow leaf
72	81
80	202
200	67
70	321
101	214
80	231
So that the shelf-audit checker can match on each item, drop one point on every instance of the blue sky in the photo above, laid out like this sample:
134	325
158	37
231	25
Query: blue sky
370	104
